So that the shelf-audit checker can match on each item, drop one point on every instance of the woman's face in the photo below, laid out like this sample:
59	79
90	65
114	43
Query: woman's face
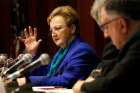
61	33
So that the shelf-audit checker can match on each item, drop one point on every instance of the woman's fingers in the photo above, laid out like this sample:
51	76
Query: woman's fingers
30	31
26	33
39	41
35	32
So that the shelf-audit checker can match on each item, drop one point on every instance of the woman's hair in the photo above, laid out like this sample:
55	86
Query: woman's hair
68	13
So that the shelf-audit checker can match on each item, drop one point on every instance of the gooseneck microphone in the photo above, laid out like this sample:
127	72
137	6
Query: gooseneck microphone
20	56
42	60
20	60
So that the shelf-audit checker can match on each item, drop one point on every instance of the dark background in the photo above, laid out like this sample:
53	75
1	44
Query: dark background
18	14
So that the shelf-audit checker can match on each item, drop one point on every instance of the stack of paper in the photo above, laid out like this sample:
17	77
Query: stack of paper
51	89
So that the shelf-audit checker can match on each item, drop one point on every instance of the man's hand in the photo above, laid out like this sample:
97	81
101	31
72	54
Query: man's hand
77	87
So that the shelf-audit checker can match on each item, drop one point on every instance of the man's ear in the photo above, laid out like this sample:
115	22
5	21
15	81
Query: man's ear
123	25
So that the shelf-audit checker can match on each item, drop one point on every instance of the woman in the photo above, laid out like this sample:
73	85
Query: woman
74	60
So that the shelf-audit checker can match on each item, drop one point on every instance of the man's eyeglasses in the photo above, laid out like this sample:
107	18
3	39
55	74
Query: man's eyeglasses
103	27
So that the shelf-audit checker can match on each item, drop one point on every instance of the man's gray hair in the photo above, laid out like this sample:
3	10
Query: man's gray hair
95	9
129	9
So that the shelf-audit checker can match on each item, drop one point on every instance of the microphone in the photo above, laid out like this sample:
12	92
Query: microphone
20	59
20	56
42	60
11	61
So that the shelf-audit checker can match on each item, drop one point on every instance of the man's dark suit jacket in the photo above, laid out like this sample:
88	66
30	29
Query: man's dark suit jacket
120	70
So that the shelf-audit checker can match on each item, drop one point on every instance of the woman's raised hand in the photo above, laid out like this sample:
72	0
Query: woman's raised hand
30	40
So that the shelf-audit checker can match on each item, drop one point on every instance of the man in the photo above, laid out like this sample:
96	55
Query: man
120	21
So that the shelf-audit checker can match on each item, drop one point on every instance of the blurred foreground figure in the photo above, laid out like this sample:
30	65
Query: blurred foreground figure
118	72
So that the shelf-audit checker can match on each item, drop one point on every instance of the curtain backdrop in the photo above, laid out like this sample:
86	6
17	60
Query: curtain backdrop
36	12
